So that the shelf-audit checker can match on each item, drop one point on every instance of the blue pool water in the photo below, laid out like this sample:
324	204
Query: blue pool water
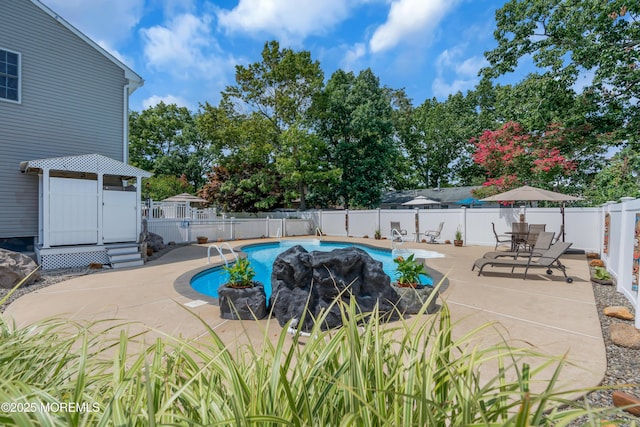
261	257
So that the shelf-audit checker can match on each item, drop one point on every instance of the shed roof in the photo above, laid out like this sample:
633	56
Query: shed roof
445	195
91	163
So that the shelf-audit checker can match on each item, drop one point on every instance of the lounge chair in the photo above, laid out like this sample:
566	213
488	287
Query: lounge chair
399	232
560	234
434	234
543	242
500	238
548	259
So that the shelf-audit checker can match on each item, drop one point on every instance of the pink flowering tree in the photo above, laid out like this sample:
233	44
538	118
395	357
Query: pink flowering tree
512	157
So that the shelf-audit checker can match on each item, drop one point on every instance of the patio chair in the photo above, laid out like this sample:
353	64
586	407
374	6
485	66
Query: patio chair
532	236
500	238
548	259
519	233
395	225
543	242
434	234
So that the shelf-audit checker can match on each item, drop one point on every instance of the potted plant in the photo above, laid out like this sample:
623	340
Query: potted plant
377	234
242	297
409	271
412	293
202	239
457	241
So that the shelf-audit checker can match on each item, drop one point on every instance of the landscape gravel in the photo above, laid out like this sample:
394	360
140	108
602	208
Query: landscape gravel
623	364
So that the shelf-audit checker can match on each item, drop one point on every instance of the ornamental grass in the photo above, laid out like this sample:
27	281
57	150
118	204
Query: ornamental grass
411	372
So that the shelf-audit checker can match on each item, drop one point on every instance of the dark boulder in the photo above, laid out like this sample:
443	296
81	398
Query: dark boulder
242	303
155	242
316	279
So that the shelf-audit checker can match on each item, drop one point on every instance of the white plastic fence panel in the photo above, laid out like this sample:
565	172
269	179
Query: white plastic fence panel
119	216
73	211
406	217
298	227
333	223
249	228
430	219
612	258
171	230
363	223
274	227
213	230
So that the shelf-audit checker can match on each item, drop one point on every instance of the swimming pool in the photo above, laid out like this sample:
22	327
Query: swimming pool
261	257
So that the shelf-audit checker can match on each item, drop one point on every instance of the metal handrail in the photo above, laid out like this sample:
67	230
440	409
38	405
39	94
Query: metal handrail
319	233
279	234
219	249
393	240
235	255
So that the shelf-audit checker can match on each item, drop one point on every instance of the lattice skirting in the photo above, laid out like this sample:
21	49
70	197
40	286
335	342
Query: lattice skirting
51	259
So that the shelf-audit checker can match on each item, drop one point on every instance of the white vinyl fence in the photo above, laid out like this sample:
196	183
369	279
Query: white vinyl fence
620	247
612	230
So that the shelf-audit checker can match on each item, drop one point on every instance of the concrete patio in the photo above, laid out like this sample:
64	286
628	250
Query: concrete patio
543	312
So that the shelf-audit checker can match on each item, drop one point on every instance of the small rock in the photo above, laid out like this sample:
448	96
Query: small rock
625	399
593	255
618	311
625	335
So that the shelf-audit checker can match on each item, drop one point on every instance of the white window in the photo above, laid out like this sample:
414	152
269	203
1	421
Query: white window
9	76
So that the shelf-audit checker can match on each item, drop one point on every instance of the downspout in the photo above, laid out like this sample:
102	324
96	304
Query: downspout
125	127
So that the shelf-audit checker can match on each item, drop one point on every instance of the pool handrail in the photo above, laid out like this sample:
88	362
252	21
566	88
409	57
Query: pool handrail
279	234
319	233
393	240
219	249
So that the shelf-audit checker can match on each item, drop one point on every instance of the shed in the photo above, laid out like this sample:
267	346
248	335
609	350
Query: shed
87	205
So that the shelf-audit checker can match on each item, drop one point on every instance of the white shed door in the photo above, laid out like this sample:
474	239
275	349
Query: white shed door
119	216
73	211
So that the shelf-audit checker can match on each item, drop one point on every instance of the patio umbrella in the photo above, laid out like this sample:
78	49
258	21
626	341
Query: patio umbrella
469	201
533	194
185	197
420	201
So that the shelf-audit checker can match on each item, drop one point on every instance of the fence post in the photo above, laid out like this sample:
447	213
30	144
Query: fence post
284	227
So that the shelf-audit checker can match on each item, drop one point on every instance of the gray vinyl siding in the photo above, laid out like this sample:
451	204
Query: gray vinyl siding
71	103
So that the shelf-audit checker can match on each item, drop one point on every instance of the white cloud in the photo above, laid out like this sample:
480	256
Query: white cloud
185	48
290	20
104	21
461	73
353	56
409	19
154	100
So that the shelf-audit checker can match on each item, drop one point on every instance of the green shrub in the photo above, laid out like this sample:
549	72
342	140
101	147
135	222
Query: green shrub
411	372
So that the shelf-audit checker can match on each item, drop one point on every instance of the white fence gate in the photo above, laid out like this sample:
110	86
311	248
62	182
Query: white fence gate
119	216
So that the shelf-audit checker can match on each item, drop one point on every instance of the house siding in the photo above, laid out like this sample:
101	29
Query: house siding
71	103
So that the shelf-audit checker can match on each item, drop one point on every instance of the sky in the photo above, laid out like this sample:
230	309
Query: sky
187	50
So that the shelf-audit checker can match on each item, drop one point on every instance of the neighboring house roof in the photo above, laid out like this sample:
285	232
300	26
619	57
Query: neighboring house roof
135	80
448	195
91	163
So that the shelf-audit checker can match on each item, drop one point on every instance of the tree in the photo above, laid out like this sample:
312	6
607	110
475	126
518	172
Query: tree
512	157
164	140
281	88
567	37
440	154
245	177
620	178
354	117
162	186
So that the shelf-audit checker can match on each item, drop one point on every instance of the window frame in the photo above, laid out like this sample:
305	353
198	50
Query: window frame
19	77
